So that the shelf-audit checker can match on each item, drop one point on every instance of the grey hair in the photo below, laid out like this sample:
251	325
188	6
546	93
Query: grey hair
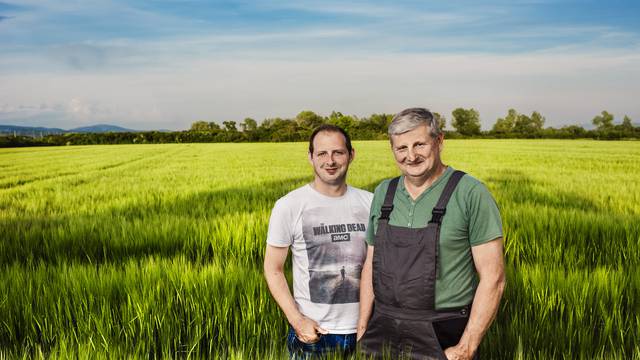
409	119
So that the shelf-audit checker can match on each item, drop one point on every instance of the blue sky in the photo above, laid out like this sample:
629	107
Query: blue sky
165	64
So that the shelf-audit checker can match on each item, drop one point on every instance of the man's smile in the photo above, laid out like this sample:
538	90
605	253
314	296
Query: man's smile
414	163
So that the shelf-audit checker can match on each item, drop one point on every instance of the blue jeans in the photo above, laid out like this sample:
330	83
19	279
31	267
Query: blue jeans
327	344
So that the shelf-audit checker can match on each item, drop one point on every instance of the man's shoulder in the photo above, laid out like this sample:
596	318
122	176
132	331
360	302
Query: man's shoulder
471	186
294	197
381	189
468	182
361	193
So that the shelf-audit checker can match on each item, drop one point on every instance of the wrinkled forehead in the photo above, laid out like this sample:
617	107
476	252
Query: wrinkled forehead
420	133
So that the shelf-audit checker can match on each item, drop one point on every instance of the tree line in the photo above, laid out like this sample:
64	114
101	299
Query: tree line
466	123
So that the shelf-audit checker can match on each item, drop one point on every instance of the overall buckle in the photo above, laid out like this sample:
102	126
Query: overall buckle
385	212
437	214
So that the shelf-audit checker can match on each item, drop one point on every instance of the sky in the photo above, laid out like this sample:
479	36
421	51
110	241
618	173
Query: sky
164	64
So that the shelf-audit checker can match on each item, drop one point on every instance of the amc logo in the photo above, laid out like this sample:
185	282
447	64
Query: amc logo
340	237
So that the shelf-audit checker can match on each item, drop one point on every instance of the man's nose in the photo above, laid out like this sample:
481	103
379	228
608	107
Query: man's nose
411	155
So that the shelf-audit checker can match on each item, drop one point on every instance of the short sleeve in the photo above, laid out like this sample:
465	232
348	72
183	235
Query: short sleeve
374	213
280	232
485	223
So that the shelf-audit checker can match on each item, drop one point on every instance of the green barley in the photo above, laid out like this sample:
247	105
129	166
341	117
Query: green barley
148	251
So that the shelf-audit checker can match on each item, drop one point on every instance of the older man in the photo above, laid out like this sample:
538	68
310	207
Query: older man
437	271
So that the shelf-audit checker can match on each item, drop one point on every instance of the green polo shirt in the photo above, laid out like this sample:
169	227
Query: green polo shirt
472	218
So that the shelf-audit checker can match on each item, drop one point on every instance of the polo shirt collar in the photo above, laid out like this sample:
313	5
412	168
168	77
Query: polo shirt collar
403	190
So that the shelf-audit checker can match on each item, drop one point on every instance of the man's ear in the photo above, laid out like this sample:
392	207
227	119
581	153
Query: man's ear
353	155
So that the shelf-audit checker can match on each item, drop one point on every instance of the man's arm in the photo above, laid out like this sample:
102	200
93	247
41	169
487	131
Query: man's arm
274	258
366	293
489	263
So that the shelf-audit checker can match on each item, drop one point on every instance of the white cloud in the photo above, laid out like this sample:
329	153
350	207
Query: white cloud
172	52
568	88
395	12
359	68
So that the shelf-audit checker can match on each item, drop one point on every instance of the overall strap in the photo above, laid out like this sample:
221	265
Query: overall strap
387	206
441	207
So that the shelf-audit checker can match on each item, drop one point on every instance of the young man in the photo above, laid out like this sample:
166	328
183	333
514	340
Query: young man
324	224
437	272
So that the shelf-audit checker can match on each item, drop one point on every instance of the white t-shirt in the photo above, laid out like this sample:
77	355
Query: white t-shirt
327	236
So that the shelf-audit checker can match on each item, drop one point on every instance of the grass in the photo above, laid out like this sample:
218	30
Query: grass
156	250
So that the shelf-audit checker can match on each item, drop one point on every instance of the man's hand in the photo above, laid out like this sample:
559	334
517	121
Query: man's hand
458	353
307	330
360	331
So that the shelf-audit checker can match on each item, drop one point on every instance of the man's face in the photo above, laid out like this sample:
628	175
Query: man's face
416	152
330	158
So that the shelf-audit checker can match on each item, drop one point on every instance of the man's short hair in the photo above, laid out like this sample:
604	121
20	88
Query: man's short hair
409	119
330	128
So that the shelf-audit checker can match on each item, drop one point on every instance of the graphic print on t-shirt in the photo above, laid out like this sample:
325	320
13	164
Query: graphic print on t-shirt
336	251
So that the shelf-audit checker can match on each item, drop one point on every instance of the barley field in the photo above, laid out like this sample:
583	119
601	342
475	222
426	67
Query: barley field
148	251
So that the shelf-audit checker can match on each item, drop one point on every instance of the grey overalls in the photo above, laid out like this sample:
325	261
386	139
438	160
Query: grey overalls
405	267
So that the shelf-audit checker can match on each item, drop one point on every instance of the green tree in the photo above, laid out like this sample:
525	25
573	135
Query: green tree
537	120
526	125
505	125
309	119
230	126
372	128
440	120
466	121
199	126
604	121
627	126
279	129
248	125
575	131
381	121
344	121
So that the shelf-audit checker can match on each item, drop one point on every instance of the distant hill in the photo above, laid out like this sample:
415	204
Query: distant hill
28	130
100	128
42	131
